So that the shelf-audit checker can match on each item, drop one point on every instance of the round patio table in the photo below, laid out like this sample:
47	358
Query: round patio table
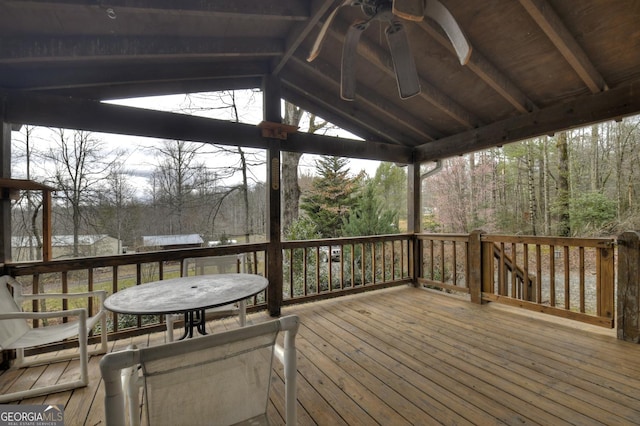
190	296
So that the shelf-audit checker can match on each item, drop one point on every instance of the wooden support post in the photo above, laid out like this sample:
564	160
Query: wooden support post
475	266
628	300
47	230
5	214
414	219
272	113
5	202
606	293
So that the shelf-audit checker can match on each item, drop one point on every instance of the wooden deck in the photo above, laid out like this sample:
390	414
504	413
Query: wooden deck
411	356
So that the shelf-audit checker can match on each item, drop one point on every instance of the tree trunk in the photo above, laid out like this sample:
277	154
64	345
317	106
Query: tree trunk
595	158
245	195
533	202
289	178
546	185
564	226
473	193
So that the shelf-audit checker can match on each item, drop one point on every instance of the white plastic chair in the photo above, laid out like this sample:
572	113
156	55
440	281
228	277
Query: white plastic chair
218	379
16	333
207	265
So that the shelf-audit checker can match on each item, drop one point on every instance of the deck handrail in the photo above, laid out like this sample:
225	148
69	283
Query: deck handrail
388	255
568	277
555	275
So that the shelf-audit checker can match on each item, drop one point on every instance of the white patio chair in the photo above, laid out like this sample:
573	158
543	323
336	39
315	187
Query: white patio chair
208	265
16	333
219	379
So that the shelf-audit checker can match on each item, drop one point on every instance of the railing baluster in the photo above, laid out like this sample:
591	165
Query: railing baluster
304	271
582	280
431	260
514	272
567	279
291	265
538	274
455	262
552	275
502	273
598	275
341	267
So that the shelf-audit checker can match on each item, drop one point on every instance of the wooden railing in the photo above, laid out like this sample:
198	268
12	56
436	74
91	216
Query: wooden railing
444	261
312	269
315	269
114	273
568	277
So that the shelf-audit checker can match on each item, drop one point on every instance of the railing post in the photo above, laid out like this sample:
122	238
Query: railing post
272	113
628	300
414	218
475	265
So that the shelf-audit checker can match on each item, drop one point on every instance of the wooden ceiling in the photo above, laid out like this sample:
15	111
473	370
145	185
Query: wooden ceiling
536	67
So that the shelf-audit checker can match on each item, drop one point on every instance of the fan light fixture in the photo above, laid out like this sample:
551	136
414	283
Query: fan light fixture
393	12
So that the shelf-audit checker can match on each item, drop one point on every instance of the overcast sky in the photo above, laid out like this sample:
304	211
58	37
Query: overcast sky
140	160
250	113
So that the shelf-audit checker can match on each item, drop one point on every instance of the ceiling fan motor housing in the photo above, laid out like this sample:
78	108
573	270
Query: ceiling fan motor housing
371	8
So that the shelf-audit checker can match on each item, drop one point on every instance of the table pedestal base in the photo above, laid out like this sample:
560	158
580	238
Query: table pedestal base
194	319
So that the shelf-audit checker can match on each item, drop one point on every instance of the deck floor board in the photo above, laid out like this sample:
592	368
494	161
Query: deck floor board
412	356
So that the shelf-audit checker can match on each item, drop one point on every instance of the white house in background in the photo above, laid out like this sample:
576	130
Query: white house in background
25	248
168	242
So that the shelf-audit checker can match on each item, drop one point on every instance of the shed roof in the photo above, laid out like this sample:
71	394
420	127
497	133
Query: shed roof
171	240
60	240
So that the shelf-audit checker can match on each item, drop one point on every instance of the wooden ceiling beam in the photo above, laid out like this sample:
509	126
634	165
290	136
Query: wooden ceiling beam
295	96
301	31
264	9
309	143
94	116
81	48
486	71
357	118
612	104
549	21
159	88
101	76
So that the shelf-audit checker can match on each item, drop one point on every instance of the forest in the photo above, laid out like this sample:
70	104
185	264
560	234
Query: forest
579	183
576	183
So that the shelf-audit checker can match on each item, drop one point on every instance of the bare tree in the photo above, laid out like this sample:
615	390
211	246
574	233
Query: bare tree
30	201
80	165
174	178
117	198
226	105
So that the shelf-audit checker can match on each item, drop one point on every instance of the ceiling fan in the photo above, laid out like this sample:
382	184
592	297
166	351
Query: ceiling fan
393	12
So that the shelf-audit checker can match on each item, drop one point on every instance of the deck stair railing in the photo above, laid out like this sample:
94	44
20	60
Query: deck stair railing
568	277
523	286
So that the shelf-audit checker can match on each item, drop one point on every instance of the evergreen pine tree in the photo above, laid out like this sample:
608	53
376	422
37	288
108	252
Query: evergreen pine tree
330	201
369	217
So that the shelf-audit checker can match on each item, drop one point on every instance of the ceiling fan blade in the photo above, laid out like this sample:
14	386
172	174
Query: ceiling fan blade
322	35
412	10
349	57
403	63
436	11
